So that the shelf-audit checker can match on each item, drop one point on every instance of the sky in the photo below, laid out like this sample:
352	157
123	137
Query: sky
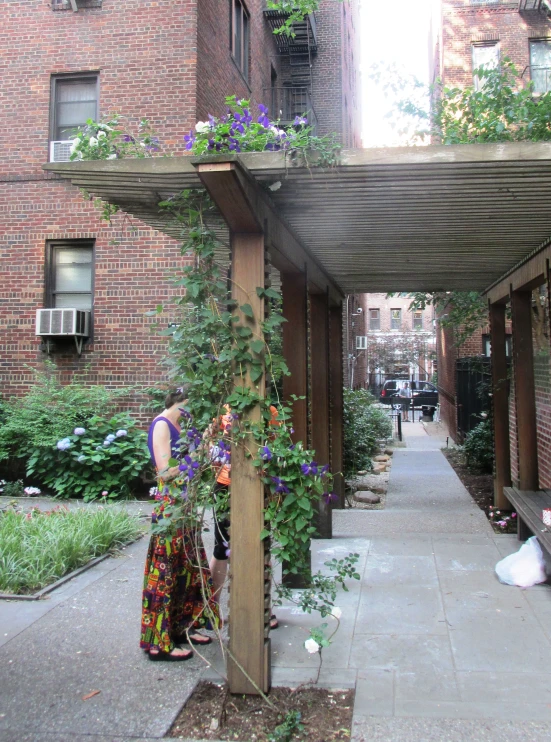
394	32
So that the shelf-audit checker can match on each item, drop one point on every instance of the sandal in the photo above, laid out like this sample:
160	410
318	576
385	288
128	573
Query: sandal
169	656
199	639
274	623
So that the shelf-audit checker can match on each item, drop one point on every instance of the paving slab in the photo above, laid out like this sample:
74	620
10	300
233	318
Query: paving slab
381	729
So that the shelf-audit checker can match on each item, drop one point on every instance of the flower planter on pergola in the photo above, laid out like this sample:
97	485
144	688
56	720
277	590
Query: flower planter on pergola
407	219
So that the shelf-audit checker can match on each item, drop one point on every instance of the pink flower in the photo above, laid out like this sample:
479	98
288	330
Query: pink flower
513	515
104	493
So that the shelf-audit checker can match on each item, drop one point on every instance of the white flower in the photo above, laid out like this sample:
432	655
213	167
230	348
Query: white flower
92	142
31	491
74	146
202	127
311	645
336	612
79	431
121	433
275	186
101	134
112	157
104	127
63	444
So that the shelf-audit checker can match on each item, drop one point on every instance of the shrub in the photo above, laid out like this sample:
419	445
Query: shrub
364	425
45	414
478	448
103	459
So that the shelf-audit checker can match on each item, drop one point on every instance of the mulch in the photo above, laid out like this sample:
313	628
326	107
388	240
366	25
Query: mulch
481	489
213	713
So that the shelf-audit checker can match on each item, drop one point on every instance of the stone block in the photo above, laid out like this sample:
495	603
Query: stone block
368	497
381	457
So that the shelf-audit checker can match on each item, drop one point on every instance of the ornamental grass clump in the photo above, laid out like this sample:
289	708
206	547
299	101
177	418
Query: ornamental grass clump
39	547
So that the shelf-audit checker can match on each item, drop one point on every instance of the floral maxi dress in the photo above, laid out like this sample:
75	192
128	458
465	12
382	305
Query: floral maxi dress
177	590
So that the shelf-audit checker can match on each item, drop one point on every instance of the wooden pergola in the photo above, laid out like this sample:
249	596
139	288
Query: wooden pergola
404	219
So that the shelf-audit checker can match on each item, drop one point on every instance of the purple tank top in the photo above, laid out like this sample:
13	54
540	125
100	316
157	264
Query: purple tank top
174	438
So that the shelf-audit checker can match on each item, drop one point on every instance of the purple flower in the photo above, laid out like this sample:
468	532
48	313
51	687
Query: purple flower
63	444
79	431
265	453
212	121
324	469
189	467
310	469
121	433
280	486
128	138
263	118
189	139
272	147
233	145
300	121
330	497
110	437
235	416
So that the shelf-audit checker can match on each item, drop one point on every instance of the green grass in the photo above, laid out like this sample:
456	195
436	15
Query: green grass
38	548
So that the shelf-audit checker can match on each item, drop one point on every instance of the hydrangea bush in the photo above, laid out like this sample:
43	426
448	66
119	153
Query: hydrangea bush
104	459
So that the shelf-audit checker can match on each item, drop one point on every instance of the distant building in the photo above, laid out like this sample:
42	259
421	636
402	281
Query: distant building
172	62
386	340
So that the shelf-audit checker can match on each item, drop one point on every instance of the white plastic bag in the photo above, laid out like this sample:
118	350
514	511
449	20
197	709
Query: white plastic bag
524	568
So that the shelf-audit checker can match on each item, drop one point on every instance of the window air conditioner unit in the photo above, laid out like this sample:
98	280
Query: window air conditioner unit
361	342
60	151
58	323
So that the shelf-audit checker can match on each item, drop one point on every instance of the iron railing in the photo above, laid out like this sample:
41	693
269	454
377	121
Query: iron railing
286	103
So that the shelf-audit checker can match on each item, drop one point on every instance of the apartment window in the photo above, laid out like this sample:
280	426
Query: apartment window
485	54
239	36
74	101
417	320
70	270
487	345
540	65
374	319
395	319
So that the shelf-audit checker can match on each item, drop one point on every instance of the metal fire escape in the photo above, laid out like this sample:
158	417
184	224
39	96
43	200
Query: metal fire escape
300	47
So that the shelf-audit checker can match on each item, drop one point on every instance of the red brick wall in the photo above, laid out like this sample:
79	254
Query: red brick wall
463	23
145	54
217	74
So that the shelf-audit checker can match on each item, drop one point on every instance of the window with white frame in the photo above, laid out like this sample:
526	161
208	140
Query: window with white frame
484	54
395	319
540	64
239	36
374	319
361	342
417	320
70	269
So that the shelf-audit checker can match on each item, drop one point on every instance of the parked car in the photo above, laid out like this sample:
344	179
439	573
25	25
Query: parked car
424	393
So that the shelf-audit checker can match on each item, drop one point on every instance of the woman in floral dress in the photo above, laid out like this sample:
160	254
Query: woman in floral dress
177	595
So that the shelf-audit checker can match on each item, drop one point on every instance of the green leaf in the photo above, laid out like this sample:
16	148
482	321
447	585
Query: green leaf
256	373
257	346
247	310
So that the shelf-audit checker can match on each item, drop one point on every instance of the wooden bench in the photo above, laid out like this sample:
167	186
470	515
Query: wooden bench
528	506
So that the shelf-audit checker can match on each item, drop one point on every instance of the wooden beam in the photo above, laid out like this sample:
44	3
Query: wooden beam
319	371
293	289
500	403
286	251
525	399
249	605
531	272
336	398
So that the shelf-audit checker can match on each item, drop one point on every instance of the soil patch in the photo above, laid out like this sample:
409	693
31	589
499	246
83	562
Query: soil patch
481	489
212	713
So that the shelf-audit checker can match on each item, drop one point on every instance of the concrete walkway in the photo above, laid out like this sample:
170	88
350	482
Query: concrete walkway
436	648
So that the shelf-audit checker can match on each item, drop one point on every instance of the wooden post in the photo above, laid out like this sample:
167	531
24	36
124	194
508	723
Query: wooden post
500	404
319	370
293	288
525	399
337	404
248	605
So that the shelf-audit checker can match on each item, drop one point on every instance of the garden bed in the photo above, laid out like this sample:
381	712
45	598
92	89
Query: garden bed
212	713
481	489
38	548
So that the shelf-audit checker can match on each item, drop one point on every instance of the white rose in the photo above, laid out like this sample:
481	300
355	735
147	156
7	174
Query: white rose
74	146
93	142
311	645
101	134
202	127
336	611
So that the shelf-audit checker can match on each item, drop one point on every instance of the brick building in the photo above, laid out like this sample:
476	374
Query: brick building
172	62
465	35
385	339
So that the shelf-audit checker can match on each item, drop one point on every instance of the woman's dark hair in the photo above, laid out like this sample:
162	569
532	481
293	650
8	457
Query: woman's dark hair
176	395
